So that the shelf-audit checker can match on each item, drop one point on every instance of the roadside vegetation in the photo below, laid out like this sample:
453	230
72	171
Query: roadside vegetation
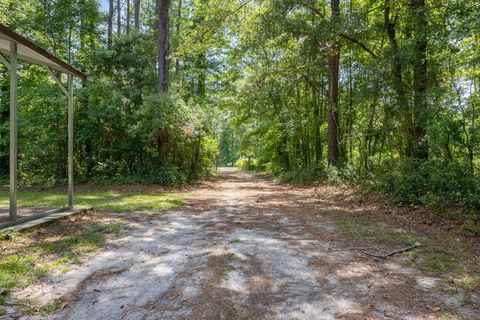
26	257
382	94
379	95
448	248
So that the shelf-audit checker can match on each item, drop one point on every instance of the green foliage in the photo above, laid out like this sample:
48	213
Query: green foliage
124	131
250	84
228	144
301	175
407	119
249	164
430	183
8	234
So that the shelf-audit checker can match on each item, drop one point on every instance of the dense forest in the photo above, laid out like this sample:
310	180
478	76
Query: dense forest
382	93
142	115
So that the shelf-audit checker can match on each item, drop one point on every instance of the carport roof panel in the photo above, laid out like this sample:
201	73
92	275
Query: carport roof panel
30	52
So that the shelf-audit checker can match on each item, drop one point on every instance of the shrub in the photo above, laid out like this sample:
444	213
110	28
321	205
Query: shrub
430	182
301	175
249	164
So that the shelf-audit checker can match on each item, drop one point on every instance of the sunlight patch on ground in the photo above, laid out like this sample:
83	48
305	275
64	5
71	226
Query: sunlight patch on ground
121	200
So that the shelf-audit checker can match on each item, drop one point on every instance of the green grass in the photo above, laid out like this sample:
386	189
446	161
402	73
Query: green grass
47	309
437	256
23	265
120	199
18	271
379	232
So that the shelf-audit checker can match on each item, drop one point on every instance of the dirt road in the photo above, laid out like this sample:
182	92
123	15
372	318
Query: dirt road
242	248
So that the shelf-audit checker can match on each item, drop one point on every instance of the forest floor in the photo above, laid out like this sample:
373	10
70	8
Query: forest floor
244	247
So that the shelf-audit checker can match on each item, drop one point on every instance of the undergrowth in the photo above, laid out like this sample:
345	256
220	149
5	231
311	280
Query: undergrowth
450	189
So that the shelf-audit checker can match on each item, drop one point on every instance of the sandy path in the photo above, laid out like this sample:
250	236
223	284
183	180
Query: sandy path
243	248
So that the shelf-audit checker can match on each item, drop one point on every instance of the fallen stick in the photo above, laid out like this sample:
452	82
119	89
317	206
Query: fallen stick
347	249
384	256
356	249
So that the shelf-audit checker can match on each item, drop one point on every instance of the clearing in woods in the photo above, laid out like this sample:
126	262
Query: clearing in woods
243	247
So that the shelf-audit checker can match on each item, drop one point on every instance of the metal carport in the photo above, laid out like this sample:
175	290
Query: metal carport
13	47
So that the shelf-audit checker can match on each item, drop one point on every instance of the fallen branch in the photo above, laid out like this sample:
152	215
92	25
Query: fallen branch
355	249
384	256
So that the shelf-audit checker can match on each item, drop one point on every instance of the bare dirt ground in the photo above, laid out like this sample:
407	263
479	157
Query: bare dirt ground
242	248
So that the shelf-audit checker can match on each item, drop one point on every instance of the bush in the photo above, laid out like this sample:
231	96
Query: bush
249	164
430	182
301	175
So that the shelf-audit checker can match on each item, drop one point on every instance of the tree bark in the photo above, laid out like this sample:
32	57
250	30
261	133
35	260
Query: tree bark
202	77
119	18
316	122
163	38
333	71
420	78
82	24
201	64
127	25
178	30
110	24
398	83
137	15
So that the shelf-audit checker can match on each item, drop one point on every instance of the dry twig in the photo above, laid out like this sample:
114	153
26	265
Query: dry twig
384	256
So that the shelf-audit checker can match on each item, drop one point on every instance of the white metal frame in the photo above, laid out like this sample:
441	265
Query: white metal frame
13	131
11	63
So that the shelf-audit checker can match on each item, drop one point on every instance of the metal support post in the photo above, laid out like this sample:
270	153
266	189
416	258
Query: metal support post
70	140
13	130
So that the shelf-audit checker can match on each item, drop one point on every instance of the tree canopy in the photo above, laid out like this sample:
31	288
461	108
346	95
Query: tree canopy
379	92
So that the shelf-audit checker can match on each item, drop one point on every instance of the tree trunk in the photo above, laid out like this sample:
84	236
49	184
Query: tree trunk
316	124
119	18
82	24
127	26
163	34
201	64
110	23
398	84
178	30
137	15
333	71
420	78
202	78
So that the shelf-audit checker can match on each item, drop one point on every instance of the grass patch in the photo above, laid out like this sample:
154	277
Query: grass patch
27	257
379	232
18	271
47	309
113	198
24	258
447	258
